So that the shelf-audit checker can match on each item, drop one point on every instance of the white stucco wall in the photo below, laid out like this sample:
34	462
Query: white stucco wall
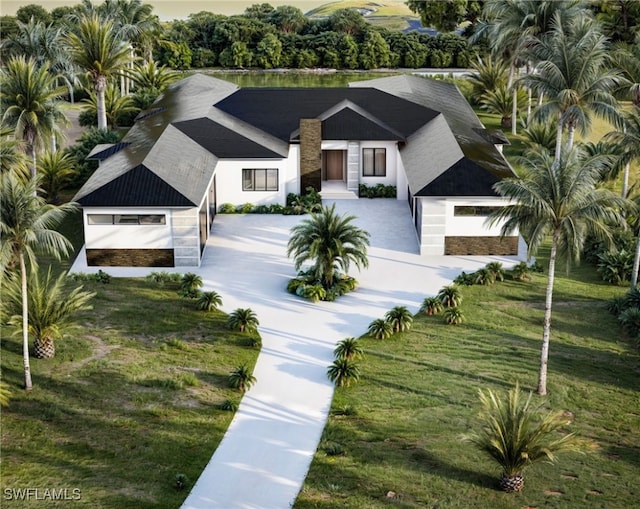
128	236
472	226
392	163
402	184
229	182
291	165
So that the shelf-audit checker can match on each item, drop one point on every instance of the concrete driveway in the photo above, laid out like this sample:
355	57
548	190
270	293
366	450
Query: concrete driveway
264	457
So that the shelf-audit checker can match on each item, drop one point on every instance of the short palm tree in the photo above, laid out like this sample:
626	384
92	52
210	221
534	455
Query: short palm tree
96	48
241	378
26	226
562	202
521	272
190	285
331	241
432	306
56	170
400	318
52	308
450	296
453	316
516	435
487	74
380	329
209	301
27	93
348	348
5	394
151	76
115	106
343	371
243	320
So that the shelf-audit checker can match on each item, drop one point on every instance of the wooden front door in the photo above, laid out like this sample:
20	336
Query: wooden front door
333	162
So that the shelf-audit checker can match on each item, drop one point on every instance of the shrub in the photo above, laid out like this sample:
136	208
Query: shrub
163	277
332	448
616	305
228	405
380	329
343	372
464	279
432	306
496	269
484	277
245	208
348	348
630	320
190	285
180	482
313	292
453	316
209	301
241	378
294	284
615	268
400	318
227	208
102	277
243	320
377	191
521	272
450	296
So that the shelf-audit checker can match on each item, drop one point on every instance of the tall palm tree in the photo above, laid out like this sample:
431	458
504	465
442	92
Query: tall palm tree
28	96
51	308
331	241
573	75
562	201
26	223
627	140
11	157
96	48
134	22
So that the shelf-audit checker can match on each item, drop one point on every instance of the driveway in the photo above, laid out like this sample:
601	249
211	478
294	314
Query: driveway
264	457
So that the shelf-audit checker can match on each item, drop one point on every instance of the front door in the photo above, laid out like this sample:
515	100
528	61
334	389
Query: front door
333	164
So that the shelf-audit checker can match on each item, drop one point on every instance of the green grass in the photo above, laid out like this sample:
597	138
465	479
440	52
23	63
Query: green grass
131	399
418	394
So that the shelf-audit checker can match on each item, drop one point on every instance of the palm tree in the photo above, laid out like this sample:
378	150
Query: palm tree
331	241
400	318
51	308
496	269
209	301
380	329
151	76
500	102
115	106
11	157
432	306
627	140
243	320
343	371
241	378
627	60
348	348
190	285
26	223
490	73
453	315
56	170
28	93
573	75
97	49
450	296
5	394
516	435
562	201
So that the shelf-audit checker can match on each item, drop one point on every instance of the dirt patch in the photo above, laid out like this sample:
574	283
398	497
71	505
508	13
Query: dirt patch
100	351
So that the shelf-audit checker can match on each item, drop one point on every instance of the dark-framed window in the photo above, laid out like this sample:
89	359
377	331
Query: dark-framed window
260	179
471	210
152	219
374	162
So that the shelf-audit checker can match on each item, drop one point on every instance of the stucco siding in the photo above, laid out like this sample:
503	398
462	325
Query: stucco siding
127	236
229	182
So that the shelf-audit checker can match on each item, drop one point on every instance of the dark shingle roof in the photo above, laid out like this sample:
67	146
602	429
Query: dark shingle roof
112	149
464	178
278	110
223	142
350	125
139	187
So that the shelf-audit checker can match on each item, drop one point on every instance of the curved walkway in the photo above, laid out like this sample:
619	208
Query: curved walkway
265	454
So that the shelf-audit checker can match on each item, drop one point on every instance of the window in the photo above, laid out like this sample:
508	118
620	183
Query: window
260	179
374	162
468	210
126	219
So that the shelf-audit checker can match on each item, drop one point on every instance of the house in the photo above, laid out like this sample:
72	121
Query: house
205	142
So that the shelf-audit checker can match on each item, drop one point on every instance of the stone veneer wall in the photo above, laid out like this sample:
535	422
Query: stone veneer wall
481	246
310	154
130	257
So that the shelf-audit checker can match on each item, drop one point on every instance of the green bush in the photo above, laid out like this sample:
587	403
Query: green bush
245	208
227	208
377	191
615	268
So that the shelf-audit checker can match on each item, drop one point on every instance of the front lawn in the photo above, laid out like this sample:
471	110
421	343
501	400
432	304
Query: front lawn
393	439
131	400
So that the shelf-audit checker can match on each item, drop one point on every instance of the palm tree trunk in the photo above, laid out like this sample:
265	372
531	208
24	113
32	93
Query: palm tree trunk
546	328
556	160
636	264
28	385
100	86
514	111
625	180
571	131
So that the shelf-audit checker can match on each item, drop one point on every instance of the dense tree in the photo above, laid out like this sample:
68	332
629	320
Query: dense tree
269	52
374	51
261	12
33	11
97	49
26	226
348	21
620	18
287	19
560	200
445	15
27	95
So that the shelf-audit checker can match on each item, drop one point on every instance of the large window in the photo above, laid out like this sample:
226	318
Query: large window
374	162
480	210
126	219
260	179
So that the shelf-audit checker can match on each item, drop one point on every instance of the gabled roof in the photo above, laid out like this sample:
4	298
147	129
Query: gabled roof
104	150
464	178
139	187
222	142
278	110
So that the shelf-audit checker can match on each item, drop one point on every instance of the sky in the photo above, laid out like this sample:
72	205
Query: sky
173	9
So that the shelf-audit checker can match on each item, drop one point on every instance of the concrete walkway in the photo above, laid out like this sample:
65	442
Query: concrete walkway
264	457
